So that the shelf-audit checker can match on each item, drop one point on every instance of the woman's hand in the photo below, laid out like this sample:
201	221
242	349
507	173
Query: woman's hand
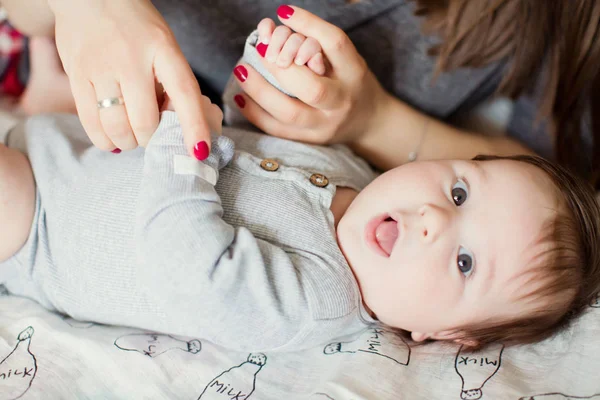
340	106
124	49
212	112
348	105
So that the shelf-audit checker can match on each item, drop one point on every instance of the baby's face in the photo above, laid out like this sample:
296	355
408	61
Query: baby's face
436	246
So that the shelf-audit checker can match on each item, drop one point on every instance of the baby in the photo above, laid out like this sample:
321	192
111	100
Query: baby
271	244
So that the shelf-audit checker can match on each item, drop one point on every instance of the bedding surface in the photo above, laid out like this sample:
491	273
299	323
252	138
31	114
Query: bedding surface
48	356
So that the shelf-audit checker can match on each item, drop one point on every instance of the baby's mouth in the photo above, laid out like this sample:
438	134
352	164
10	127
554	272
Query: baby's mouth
381	234
386	234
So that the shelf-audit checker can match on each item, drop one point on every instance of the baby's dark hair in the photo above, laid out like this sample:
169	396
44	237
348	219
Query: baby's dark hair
568	274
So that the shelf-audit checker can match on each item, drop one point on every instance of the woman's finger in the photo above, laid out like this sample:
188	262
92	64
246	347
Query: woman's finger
175	74
282	107
215	118
265	30
87	109
167	104
113	114
289	50
278	39
337	46
142	105
266	122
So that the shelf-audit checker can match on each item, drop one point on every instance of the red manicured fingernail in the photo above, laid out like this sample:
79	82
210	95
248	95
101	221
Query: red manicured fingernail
239	100
116	151
201	150
285	12
262	49
241	73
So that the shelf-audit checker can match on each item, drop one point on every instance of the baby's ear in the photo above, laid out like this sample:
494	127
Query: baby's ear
419	337
445	335
473	344
454	336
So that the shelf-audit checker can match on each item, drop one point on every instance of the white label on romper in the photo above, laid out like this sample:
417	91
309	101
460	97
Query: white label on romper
185	165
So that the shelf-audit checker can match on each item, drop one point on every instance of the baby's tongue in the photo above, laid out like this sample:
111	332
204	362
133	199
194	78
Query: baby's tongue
386	234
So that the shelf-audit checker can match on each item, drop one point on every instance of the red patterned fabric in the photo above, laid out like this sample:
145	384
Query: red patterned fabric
12	45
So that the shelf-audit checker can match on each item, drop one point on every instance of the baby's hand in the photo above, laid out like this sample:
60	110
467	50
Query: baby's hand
286	47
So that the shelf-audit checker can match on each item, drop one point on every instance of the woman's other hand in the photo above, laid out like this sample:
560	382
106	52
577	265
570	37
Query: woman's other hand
124	50
339	106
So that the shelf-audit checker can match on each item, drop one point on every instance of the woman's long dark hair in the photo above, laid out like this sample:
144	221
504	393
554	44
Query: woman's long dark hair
556	40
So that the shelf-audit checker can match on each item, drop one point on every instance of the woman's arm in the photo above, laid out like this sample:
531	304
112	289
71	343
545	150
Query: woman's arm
398	129
349	105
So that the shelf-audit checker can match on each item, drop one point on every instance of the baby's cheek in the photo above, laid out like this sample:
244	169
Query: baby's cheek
426	283
376	288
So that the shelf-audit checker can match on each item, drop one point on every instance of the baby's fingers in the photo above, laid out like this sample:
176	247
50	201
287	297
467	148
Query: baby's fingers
317	64
265	30
338	49
290	50
310	54
280	36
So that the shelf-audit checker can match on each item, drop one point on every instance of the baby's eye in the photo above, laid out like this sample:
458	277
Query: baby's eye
460	192
465	261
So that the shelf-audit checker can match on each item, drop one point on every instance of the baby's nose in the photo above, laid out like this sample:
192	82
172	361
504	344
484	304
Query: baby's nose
435	220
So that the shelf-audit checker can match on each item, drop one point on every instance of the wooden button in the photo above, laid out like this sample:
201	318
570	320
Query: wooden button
319	180
269	165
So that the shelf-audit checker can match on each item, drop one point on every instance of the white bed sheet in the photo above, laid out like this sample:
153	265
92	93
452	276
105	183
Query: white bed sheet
47	356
